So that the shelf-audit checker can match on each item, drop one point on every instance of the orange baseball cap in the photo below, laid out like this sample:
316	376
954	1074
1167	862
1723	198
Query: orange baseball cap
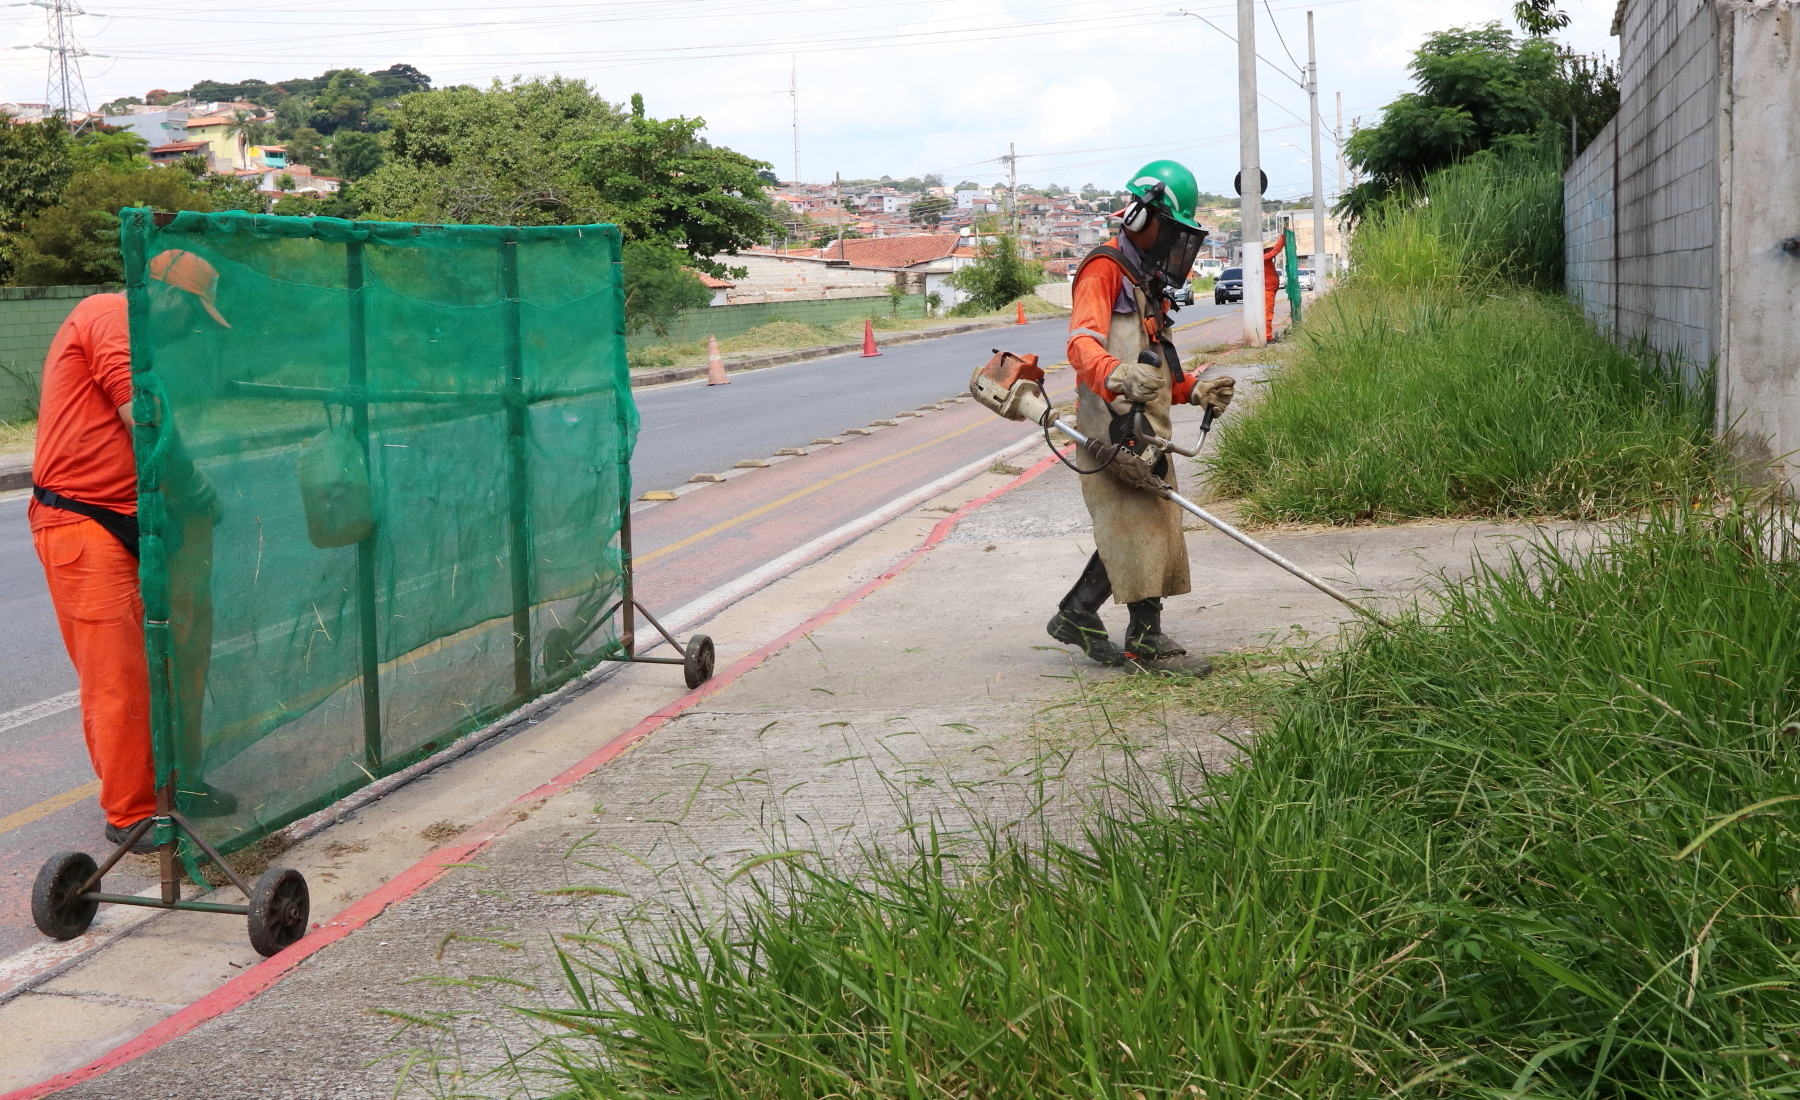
186	271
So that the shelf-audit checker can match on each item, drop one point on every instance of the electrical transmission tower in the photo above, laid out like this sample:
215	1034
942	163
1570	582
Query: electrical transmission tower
64	89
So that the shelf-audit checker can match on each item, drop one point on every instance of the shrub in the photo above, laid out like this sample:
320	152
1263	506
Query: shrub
997	276
658	289
76	241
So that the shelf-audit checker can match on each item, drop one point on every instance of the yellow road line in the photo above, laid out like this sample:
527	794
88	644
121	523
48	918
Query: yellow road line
48	806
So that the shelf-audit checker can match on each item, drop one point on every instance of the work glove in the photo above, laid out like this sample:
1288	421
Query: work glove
1129	469
1214	394
1138	382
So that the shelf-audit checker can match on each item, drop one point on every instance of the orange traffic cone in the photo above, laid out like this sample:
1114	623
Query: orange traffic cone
1021	304
869	340
715	364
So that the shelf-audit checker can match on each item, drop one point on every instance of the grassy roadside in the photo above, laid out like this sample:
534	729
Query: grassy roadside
1538	846
1448	377
792	335
17	435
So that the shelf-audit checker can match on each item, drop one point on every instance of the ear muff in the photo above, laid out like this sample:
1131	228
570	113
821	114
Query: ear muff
1138	214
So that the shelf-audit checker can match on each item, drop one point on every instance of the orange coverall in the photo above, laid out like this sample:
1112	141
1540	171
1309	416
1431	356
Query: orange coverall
1271	284
1092	296
84	452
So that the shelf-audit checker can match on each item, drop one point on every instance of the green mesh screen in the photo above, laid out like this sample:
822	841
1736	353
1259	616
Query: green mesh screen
379	509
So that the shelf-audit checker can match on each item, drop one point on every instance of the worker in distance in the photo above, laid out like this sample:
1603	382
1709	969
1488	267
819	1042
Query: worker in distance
1128	374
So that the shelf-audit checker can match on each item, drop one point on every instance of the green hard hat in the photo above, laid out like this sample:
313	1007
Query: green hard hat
1181	192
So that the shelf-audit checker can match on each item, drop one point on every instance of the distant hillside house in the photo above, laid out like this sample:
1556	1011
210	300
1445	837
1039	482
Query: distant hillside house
175	151
303	182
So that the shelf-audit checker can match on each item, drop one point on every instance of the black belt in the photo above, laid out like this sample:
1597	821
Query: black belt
120	525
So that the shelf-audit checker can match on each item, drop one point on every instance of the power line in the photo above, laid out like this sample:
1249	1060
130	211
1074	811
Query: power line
65	92
1233	38
1279	37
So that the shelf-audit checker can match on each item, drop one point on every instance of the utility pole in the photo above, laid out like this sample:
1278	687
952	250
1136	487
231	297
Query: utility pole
837	192
64	90
1321	268
794	96
1012	189
1340	160
1250	211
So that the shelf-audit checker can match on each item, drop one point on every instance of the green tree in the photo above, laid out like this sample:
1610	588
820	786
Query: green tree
504	155
345	101
35	166
355	154
659	180
306	146
997	276
76	241
929	210
657	287
108	146
1539	17
1478	88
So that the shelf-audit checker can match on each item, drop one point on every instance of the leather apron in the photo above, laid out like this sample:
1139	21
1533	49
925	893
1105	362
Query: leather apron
1137	535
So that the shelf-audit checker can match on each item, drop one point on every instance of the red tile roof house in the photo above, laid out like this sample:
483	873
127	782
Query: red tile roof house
173	152
720	288
930	257
859	267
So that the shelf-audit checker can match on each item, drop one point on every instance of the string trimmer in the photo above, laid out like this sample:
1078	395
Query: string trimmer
1013	386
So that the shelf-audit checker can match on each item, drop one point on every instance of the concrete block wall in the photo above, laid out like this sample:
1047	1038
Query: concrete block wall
1675	216
1667	178
29	318
1590	228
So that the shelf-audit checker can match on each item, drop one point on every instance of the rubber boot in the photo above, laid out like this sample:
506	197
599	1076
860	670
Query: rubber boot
1147	647
1077	621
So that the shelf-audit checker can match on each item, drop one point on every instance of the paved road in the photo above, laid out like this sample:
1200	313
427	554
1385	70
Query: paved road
685	549
693	428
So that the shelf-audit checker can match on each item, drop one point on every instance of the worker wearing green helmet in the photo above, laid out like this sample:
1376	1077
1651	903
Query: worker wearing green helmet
1128	375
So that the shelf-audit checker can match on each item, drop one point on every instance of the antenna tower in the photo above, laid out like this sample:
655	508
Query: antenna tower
64	90
794	94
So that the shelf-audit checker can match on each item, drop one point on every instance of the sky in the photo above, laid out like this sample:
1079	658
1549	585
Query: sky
1084	92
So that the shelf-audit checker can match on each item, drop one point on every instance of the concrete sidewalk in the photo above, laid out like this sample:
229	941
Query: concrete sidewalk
925	699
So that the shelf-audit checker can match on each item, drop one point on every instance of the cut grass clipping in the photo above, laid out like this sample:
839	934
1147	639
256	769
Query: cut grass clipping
1542	845
1448	378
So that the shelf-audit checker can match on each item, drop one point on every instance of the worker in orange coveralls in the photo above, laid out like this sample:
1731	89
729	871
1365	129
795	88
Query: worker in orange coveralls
84	526
1125	363
1271	283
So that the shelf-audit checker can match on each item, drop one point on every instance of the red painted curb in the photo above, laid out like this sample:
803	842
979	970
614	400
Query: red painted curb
241	989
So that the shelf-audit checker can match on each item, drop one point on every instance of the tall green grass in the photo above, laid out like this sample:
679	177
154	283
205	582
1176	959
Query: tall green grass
1541	845
1494	220
1446	378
